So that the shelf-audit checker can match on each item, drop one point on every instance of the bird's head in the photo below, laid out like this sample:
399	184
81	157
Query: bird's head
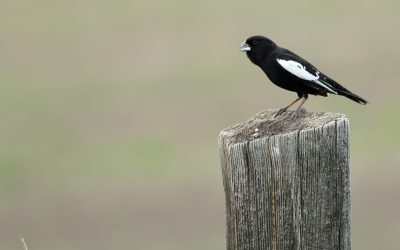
257	47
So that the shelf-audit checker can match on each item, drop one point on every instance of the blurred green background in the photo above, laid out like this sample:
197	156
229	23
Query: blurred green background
110	112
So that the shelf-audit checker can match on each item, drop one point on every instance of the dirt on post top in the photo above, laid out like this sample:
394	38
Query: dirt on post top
265	124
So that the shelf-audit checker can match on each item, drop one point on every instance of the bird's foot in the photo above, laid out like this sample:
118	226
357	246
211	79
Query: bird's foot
295	115
282	110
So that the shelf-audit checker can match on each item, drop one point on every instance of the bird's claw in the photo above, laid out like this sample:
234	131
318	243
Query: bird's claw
292	116
295	115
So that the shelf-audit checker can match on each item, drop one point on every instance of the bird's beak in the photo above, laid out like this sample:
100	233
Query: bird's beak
244	47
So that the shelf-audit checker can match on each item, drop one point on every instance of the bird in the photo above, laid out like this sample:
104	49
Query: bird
291	72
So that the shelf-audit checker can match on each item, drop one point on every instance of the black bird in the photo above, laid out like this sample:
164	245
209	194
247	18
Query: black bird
291	72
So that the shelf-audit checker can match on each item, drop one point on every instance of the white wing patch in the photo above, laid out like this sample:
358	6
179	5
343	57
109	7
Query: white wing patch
300	71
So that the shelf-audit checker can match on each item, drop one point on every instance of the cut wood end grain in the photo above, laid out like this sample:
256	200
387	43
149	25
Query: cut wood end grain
265	124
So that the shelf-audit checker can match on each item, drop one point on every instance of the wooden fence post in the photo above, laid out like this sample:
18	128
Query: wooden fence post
287	182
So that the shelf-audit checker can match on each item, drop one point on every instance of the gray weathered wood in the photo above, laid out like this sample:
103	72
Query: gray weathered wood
287	182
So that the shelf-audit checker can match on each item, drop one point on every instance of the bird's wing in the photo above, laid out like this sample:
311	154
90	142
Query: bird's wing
305	72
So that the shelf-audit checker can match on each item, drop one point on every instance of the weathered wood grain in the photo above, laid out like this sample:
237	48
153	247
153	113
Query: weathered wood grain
287	182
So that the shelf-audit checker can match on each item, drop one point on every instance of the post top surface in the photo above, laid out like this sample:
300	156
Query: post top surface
265	124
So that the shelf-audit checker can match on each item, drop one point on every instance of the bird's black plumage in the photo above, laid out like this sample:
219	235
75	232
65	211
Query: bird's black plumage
291	72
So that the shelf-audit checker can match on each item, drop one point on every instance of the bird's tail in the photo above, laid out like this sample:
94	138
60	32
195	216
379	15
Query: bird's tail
353	97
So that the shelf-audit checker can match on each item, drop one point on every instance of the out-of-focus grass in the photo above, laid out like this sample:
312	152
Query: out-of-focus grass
110	113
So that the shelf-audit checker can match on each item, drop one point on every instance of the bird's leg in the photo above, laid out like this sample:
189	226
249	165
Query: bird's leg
282	110
296	113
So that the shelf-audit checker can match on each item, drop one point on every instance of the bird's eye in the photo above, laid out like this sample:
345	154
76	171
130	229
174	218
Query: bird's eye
255	42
